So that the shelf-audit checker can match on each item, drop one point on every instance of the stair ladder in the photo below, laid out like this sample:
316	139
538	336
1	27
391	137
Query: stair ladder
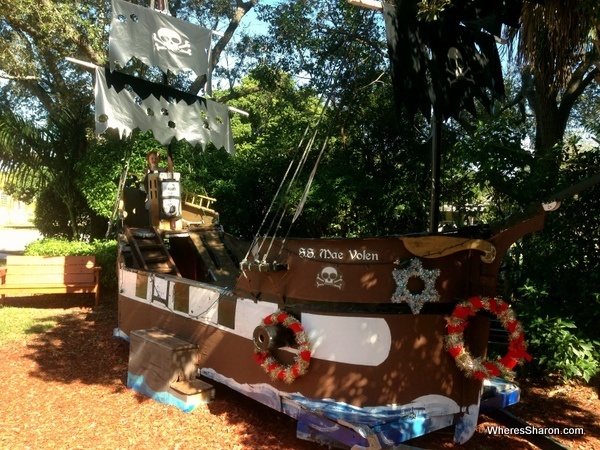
149	250
215	255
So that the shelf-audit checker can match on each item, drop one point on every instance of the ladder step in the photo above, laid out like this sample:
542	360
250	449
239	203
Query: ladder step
149	246
164	270
193	387
156	259
143	233
149	250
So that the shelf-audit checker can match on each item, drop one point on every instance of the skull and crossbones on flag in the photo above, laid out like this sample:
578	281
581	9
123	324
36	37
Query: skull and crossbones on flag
157	40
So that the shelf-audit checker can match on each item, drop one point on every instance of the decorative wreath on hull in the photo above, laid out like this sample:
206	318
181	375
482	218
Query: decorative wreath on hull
476	367
274	368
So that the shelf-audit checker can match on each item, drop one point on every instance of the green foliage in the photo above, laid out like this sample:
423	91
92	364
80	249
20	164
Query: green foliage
562	351
429	10
59	247
105	252
373	180
559	348
54	220
101	168
489	166
564	259
106	257
336	47
355	192
42	158
266	141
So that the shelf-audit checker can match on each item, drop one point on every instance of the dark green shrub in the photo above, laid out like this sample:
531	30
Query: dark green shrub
558	351
55	221
105	252
558	347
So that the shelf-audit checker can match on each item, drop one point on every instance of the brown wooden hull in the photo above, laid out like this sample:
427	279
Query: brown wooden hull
374	311
417	363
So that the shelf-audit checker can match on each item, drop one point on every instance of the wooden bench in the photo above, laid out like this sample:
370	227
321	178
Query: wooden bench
50	275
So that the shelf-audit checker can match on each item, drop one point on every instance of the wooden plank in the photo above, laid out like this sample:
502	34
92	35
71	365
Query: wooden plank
34	270
438	246
50	278
46	286
193	387
18	260
369	4
162	339
53	289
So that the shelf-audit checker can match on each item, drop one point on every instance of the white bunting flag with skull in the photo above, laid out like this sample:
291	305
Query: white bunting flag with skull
157	40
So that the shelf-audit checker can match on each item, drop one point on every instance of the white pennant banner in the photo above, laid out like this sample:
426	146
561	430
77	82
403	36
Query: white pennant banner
200	122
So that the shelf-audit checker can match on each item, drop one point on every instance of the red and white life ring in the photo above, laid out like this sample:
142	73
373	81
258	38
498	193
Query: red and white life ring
277	370
476	367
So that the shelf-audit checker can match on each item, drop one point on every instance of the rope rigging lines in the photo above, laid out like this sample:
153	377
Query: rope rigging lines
280	207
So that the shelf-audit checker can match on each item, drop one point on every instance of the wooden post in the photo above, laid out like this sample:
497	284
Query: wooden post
434	202
153	198
436	131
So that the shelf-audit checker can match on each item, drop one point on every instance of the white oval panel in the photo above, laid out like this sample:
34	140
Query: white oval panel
364	341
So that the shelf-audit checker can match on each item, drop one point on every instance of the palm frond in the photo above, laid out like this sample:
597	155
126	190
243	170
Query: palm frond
554	34
22	147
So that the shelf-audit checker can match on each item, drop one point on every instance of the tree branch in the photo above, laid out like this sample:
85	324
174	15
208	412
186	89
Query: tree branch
7	76
580	80
241	10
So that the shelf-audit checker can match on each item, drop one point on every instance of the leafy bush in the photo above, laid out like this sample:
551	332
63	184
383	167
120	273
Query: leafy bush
556	344
106	257
105	252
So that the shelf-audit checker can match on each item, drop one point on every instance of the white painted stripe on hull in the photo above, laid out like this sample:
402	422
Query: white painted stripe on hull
364	341
249	315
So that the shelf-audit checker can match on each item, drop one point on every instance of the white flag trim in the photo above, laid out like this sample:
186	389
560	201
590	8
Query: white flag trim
157	40
201	122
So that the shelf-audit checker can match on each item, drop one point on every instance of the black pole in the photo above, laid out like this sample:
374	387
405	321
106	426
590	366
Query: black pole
434	203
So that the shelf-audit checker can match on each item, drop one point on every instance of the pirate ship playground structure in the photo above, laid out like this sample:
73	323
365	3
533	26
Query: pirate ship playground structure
367	342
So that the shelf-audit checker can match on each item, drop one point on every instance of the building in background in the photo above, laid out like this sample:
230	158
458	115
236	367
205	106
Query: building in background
14	213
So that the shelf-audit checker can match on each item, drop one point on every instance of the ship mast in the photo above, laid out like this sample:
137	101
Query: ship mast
436	140
161	5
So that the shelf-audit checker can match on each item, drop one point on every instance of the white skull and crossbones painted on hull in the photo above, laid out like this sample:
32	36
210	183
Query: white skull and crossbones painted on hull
171	40
330	276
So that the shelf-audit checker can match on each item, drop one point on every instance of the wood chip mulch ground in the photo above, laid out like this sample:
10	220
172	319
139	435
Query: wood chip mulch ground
66	388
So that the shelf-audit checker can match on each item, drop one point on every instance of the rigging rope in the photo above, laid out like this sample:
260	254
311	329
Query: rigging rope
284	200
120	189
299	168
277	193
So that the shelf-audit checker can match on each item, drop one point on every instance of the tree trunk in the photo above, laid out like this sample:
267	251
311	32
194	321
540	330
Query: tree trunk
73	222
550	123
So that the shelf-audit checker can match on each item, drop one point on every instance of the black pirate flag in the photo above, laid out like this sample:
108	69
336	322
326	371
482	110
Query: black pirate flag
447	63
